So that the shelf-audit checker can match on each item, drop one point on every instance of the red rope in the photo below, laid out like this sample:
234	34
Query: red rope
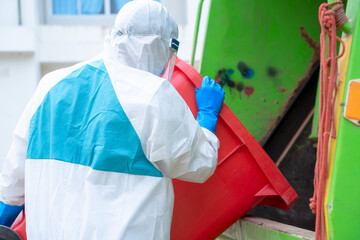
330	20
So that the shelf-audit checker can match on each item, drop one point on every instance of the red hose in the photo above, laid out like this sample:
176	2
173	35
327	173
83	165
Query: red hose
330	19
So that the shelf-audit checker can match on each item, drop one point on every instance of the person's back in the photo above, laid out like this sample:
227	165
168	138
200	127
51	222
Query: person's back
86	170
102	140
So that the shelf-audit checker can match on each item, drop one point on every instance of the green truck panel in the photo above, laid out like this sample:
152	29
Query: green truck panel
261	52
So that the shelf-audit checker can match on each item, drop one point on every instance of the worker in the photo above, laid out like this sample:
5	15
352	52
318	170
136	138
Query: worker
96	148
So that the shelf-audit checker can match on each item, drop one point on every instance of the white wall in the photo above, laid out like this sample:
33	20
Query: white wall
19	70
9	13
18	80
185	14
61	44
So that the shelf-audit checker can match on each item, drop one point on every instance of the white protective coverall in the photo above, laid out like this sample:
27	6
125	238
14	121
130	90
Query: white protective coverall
94	152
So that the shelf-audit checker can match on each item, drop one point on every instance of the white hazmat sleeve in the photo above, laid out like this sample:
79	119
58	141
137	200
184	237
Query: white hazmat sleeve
12	174
13	170
174	141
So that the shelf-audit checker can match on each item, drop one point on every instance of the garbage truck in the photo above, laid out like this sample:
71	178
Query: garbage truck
289	71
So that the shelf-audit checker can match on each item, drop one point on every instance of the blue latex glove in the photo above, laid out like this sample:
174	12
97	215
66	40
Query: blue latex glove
209	99
8	213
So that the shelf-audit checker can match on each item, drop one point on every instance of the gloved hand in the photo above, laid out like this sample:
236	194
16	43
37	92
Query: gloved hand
8	213
209	99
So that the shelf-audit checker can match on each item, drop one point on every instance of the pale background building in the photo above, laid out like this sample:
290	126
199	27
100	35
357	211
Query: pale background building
39	36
